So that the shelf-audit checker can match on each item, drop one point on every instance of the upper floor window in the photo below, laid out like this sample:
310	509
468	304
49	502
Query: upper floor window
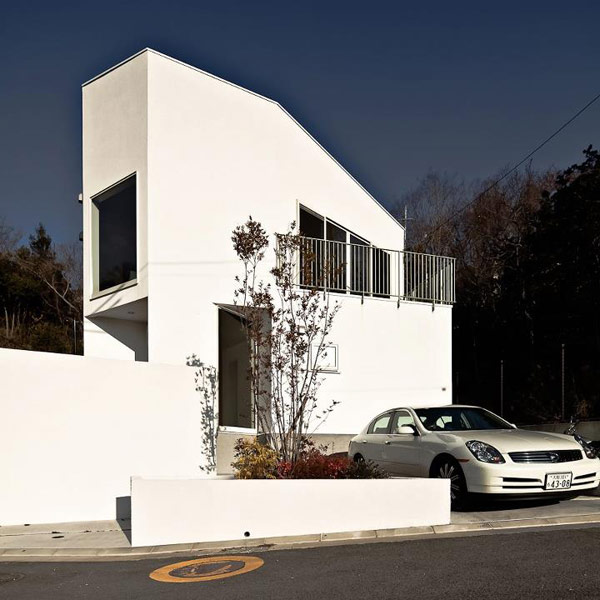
115	237
341	261
311	224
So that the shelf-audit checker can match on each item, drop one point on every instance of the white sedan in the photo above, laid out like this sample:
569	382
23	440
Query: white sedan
478	451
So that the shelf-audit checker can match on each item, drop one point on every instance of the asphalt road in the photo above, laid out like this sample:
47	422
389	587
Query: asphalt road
548	564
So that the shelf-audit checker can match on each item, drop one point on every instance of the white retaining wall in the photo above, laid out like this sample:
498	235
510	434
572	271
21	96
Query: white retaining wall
174	511
73	430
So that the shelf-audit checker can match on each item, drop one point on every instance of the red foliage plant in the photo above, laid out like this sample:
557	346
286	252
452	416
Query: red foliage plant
314	464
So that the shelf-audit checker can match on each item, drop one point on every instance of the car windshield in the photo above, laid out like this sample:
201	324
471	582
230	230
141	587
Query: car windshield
457	418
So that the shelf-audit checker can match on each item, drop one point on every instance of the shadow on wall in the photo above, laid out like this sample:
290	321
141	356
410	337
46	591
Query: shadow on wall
206	382
123	506
133	334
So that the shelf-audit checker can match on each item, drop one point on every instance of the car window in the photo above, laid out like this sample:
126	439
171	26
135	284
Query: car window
460	418
380	424
401	418
454	423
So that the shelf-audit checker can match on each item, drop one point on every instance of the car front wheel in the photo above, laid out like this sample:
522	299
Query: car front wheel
448	468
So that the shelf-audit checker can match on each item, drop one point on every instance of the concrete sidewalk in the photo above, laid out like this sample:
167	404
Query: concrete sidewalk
85	534
110	540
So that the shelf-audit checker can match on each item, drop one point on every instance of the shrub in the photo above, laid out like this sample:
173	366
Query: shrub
365	469
314	464
254	460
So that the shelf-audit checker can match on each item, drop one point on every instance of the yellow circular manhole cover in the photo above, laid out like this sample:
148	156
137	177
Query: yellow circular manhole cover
206	569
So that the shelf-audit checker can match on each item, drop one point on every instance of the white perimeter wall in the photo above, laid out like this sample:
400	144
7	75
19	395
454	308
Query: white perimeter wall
74	429
170	511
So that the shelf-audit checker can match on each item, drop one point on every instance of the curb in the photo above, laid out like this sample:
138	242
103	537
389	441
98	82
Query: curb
285	543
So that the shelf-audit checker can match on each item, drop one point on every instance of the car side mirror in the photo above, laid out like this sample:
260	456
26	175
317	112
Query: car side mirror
407	430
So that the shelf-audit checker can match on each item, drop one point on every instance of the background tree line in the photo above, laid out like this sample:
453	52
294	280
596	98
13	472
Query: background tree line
40	293
528	273
528	279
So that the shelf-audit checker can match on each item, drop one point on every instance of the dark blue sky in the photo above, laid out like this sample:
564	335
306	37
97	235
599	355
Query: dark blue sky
391	89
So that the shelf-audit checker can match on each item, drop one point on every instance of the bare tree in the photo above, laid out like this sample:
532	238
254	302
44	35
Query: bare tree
70	256
42	261
40	292
429	205
9	238
287	326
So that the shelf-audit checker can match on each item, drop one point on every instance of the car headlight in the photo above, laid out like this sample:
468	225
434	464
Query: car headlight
589	451
484	452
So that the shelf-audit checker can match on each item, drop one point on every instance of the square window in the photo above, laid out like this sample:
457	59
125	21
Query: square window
328	359
116	236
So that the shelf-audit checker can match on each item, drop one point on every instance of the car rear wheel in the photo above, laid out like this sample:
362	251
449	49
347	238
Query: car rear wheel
448	468
358	458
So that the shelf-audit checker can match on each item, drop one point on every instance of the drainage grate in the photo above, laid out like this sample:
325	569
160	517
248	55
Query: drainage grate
8	577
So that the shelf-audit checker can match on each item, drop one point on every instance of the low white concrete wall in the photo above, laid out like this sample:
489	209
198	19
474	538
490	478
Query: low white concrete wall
73	430
173	511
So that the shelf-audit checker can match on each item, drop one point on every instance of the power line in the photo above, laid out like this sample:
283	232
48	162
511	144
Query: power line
495	183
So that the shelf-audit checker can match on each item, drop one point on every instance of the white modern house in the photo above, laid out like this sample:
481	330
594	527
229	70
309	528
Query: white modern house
173	160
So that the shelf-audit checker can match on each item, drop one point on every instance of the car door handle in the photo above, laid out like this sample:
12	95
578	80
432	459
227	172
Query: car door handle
363	441
388	442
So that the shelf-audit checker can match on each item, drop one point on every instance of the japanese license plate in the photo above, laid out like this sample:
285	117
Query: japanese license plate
558	481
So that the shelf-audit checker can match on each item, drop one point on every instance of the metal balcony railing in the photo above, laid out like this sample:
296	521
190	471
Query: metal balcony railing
365	271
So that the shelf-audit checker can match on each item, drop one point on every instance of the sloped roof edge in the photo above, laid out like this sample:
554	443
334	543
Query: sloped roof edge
385	210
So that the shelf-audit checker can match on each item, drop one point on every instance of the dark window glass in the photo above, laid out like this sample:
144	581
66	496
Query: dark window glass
359	265
311	225
311	257
117	257
381	273
235	399
336	257
328	261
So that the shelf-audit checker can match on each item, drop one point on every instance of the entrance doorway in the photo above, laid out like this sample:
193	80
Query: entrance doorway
235	399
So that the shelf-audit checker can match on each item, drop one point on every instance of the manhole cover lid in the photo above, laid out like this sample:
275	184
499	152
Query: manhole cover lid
206	569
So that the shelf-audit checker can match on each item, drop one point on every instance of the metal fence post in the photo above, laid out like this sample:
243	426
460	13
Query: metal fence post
562	380
502	388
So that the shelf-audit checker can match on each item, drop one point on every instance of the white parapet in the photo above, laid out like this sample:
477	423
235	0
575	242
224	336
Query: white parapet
74	429
178	511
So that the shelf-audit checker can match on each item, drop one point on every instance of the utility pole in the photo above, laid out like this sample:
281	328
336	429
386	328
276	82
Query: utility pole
502	388
562	380
405	221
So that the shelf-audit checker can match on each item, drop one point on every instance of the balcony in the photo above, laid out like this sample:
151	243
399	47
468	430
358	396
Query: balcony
367	271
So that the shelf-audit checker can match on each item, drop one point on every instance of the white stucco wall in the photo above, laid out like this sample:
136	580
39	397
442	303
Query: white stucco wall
115	145
215	153
177	511
388	357
75	429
